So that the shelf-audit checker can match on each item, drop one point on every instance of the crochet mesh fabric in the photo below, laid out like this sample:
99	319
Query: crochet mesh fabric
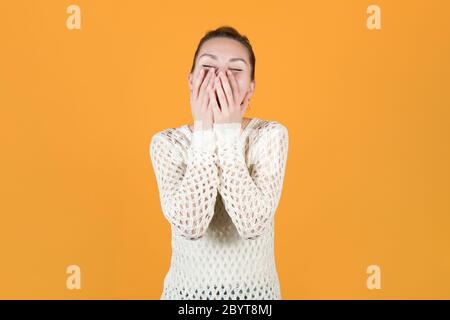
219	190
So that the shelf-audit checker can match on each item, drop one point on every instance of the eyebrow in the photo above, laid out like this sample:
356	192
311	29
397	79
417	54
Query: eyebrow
215	58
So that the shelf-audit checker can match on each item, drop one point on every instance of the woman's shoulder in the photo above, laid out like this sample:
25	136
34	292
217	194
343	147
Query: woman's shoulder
267	138
263	128
172	136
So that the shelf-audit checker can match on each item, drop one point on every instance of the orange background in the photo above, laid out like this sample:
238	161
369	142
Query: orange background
367	179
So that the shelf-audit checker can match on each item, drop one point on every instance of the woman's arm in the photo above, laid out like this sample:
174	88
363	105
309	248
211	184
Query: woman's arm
251	200
187	190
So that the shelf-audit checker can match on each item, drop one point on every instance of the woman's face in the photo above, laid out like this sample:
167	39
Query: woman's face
226	54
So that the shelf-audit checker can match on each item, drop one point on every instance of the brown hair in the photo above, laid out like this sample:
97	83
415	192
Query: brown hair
232	33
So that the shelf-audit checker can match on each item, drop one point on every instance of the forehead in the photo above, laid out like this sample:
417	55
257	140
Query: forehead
224	49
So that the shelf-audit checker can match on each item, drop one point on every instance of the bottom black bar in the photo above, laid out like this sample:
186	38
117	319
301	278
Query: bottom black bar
211	309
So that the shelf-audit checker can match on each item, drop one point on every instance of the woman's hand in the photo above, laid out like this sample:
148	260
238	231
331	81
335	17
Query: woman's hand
227	91
200	99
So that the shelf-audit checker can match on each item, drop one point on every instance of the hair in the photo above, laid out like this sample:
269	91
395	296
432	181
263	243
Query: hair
231	33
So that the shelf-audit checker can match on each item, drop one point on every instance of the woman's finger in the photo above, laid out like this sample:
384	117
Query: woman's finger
227	89
234	85
221	95
213	104
203	84
197	81
205	98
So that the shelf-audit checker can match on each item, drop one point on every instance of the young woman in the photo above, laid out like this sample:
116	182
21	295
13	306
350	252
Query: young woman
220	180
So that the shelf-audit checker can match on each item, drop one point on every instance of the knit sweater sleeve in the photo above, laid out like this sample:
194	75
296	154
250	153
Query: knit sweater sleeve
187	189
251	198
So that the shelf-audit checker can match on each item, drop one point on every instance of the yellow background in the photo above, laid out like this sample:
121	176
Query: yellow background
367	179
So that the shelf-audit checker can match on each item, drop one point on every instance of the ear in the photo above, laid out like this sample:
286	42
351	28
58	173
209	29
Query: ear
248	95
190	81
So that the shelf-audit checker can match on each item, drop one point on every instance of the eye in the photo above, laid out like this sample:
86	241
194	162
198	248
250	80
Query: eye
207	66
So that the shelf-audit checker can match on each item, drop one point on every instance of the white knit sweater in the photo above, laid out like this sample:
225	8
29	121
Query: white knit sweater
219	190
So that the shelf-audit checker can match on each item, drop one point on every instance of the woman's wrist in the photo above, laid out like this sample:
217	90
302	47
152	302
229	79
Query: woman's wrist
203	139
202	125
227	132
